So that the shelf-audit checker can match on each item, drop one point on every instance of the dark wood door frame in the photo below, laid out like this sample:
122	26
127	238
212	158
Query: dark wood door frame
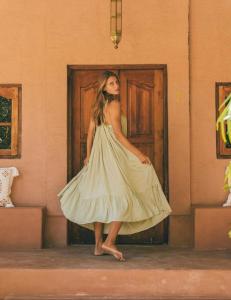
163	67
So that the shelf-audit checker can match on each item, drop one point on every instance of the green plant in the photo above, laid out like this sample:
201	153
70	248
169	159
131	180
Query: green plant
225	116
229	233
227	181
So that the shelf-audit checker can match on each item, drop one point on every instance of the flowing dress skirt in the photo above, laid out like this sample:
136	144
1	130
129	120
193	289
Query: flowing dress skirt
114	186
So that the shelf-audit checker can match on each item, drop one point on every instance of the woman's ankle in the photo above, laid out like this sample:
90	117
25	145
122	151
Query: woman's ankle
109	243
99	242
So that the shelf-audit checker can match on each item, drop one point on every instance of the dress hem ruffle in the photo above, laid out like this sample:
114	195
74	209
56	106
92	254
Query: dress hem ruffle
155	213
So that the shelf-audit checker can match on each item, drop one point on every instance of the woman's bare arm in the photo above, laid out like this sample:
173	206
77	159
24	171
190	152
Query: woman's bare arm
115	118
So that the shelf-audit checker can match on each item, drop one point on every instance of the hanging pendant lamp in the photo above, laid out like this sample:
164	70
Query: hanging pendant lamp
116	22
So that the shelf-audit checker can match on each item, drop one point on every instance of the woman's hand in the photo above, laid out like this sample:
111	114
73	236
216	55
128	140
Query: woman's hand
144	159
86	161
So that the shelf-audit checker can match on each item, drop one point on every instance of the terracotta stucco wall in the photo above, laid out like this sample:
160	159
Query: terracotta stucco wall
41	37
210	62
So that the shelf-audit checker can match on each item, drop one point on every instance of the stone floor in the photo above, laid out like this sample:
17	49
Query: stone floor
137	256
149	272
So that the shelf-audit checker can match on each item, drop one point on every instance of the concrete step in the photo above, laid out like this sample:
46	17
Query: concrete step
111	298
149	272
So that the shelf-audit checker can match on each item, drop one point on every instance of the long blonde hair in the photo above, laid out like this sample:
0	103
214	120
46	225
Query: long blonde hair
102	97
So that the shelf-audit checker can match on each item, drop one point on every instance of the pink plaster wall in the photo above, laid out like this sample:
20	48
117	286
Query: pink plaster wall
210	62
40	38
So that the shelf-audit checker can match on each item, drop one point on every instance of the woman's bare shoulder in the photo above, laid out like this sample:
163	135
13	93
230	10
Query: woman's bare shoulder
114	106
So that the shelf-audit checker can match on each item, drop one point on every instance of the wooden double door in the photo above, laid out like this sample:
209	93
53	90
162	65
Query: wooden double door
144	101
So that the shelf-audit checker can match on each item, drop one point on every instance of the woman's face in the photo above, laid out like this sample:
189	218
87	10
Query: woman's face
112	85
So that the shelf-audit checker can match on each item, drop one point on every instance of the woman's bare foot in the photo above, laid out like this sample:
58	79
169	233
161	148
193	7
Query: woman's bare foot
112	249
98	249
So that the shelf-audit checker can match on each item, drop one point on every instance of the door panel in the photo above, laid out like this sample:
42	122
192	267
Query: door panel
143	101
144	108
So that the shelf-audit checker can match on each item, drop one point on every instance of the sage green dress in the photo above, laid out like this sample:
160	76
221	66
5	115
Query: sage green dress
114	186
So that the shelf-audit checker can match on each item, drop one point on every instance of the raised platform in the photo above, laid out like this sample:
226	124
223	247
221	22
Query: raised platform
22	227
149	272
211	226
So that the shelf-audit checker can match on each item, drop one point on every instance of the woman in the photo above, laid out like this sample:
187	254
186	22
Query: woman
117	191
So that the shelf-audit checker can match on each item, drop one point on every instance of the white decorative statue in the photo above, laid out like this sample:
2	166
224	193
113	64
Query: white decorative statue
6	179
